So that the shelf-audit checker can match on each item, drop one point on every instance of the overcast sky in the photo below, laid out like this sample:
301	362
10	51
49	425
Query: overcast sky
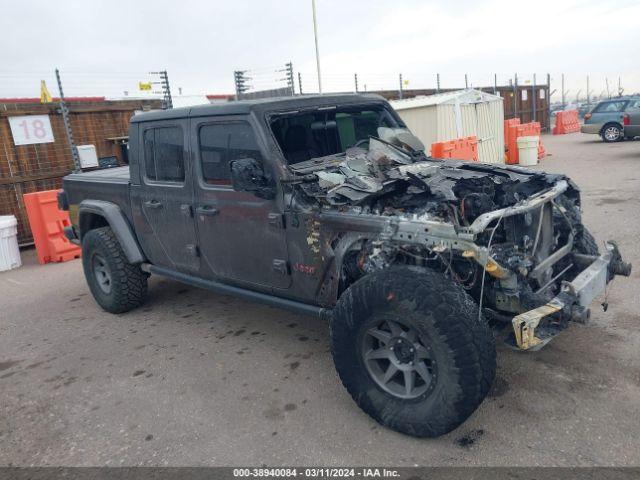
105	46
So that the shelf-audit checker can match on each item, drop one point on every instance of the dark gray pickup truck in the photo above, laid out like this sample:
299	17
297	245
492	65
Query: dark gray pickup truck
327	205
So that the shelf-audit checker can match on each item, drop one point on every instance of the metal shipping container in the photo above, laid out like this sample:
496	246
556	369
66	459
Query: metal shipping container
451	115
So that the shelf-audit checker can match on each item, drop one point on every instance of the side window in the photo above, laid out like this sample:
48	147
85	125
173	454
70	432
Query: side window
221	144
610	107
164	154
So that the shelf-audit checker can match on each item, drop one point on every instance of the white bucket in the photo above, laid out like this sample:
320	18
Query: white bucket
528	150
9	251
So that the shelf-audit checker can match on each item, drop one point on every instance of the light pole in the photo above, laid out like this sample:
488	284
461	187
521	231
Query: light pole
315	36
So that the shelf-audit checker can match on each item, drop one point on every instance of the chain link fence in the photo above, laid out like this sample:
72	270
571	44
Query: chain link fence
36	147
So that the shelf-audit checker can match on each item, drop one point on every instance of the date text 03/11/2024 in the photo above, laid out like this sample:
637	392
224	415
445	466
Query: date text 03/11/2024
316	472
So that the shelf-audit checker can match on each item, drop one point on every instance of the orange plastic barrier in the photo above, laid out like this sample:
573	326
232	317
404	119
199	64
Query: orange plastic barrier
47	224
460	149
541	150
566	122
515	130
507	124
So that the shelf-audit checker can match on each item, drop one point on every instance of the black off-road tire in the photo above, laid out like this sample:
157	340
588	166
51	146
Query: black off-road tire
127	285
583	242
446	318
586	244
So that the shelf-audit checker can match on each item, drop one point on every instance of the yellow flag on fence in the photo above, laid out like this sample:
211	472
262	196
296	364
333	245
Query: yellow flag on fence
45	96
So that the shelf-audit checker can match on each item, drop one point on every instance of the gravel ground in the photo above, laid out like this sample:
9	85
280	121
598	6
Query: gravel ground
195	378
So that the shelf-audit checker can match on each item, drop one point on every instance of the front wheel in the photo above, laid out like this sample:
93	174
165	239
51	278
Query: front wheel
410	349
611	133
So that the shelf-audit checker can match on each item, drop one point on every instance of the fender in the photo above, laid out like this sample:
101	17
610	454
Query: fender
118	223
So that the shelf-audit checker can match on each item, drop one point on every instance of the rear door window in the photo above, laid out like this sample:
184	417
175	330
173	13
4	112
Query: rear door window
611	107
221	144
164	154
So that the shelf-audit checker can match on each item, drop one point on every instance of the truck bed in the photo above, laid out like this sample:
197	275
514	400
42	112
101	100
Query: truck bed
110	184
111	175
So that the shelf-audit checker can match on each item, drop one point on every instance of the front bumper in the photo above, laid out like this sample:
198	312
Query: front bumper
574	298
593	128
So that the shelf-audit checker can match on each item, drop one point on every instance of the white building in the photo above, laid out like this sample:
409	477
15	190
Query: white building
451	115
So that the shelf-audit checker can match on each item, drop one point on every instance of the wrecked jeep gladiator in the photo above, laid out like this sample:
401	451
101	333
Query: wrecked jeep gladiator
327	205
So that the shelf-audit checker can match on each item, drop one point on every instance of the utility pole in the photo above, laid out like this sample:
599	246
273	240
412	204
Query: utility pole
355	79
495	83
437	83
400	90
315	36
67	126
466	81
300	82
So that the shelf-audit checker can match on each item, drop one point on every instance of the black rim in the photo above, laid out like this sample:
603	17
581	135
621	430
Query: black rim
101	272
398	359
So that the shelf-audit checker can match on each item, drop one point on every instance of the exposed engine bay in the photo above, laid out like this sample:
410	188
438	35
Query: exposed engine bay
511	237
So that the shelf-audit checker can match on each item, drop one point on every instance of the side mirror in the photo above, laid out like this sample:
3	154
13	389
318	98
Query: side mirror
248	175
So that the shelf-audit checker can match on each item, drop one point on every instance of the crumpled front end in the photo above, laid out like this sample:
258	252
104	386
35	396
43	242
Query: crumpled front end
511	237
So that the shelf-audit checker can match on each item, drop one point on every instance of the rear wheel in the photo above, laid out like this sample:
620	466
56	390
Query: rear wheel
117	285
611	132
410	349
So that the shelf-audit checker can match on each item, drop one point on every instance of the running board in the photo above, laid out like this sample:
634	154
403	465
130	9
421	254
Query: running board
266	299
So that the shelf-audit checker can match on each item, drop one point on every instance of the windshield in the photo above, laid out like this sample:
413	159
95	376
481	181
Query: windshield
317	133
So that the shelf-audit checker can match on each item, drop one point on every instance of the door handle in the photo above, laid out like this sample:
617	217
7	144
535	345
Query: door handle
153	204
207	210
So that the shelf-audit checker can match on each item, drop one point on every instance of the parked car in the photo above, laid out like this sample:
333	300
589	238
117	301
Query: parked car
327	205
614	119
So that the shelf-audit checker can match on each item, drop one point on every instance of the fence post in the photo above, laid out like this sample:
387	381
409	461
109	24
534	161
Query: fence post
166	91
67	126
533	99
400	90
548	96
240	81
355	78
290	82
515	96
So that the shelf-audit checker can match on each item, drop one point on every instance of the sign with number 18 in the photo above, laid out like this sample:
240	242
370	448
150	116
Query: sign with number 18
31	129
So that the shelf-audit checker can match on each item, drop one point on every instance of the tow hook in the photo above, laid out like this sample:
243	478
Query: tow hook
617	266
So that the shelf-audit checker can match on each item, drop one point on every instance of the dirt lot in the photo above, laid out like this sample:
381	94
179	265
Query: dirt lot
195	378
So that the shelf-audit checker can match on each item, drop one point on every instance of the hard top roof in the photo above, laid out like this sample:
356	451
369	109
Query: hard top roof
262	105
